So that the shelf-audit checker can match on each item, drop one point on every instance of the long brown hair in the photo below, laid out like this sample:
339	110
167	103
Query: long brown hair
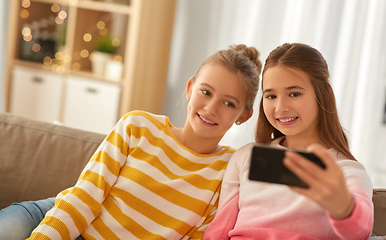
309	60
245	62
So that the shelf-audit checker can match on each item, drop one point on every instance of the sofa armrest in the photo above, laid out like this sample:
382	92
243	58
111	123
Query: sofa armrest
39	159
379	200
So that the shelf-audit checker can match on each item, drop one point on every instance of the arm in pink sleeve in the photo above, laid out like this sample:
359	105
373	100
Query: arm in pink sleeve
224	221
360	223
228	209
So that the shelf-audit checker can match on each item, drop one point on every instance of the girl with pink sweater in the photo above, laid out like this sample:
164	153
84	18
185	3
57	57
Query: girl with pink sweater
297	111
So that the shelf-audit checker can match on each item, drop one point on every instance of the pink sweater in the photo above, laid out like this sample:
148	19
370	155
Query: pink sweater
256	210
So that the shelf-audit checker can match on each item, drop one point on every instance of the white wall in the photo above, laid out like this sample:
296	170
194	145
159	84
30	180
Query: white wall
350	35
188	51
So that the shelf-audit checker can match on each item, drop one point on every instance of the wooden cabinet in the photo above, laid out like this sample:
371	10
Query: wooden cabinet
36	94
97	109
60	37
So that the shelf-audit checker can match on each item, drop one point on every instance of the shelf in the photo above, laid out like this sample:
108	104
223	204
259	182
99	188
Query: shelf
84	74
142	33
92	5
105	6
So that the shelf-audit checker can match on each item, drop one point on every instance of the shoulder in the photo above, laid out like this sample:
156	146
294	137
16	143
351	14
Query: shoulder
242	155
356	174
143	117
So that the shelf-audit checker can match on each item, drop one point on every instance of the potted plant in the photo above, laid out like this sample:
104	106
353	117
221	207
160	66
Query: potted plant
104	51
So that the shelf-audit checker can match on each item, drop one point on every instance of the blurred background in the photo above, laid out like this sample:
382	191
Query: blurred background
350	34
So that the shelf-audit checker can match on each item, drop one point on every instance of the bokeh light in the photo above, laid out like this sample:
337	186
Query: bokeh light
116	42
75	66
26	3
55	7
24	13
59	20
103	31
84	53
59	56
62	15
118	58
101	25
67	58
27	38
87	37
36	47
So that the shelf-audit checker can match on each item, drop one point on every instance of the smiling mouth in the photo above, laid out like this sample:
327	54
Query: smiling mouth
286	120
205	120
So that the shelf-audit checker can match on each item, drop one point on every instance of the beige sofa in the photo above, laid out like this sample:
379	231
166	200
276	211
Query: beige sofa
38	160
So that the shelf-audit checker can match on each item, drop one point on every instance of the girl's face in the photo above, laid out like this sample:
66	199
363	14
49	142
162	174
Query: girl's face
289	102
217	100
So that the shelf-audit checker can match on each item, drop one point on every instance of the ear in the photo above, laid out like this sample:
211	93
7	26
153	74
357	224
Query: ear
244	116
189	86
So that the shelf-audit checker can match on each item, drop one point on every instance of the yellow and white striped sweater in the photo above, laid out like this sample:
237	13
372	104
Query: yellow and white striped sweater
141	183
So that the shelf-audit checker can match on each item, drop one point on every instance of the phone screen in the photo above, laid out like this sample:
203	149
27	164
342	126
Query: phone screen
267	166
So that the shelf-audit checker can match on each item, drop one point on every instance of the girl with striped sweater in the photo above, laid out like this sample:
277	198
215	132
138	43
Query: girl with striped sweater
151	180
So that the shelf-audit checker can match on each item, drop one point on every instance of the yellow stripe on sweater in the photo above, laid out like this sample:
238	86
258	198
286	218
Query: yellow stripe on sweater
147	210
167	192
112	165
194	179
184	163
76	216
58	225
127	222
103	230
88	236
117	140
93	205
39	236
97	180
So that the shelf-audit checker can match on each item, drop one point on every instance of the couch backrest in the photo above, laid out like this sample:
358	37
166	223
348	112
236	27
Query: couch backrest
39	159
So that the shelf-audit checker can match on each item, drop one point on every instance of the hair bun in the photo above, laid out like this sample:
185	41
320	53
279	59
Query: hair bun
252	53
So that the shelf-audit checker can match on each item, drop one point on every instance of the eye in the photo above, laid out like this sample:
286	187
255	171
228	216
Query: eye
206	92
229	104
295	94
270	97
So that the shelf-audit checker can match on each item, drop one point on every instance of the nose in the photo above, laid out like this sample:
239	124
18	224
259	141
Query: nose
281	105
211	107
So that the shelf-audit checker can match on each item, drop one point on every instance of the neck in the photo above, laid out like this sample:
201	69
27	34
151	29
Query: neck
300	142
196	143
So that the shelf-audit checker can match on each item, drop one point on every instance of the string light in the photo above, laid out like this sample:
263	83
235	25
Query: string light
84	53
67	58
75	66
55	8
103	31
46	60
59	56
118	58
116	42
87	37
24	13
62	15
101	25
36	47
26	3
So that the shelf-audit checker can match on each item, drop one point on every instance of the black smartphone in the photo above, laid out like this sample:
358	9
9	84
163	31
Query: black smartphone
267	166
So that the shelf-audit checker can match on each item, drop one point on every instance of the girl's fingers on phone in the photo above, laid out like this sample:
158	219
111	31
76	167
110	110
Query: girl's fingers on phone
303	162
304	169
322	153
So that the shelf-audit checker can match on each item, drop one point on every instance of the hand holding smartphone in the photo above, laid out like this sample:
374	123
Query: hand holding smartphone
267	166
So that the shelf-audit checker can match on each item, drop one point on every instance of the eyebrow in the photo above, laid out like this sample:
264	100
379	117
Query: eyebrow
287	88
226	95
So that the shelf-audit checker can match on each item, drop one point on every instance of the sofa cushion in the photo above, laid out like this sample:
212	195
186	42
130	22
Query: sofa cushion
39	159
